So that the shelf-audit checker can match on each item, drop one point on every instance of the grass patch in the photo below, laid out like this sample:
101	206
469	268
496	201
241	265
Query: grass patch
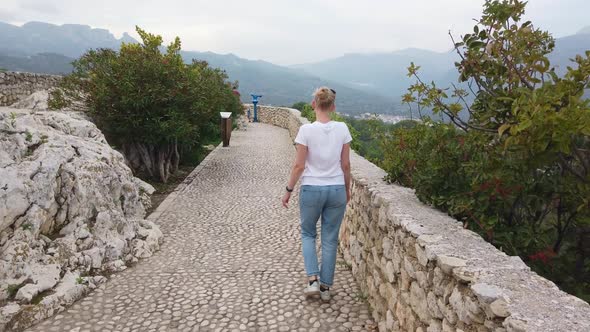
344	264
13	289
360	296
39	297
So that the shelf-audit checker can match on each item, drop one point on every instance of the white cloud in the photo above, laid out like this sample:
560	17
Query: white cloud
292	31
35	6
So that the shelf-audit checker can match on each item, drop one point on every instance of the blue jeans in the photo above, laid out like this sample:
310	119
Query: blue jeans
329	203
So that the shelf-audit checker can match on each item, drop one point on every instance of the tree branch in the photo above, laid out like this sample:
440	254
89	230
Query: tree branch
565	164
518	73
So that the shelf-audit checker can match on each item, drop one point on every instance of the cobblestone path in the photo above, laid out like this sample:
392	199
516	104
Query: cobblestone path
231	259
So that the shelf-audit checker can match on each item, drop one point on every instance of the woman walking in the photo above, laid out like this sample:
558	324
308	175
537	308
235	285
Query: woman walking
323	164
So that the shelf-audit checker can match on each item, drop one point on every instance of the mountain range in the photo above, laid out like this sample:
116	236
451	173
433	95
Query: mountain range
47	48
385	73
285	86
70	40
364	83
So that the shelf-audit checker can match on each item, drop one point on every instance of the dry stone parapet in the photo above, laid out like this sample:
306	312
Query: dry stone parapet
422	271
15	86
70	211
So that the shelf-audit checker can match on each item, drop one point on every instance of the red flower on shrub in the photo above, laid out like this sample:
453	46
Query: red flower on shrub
485	186
461	141
544	256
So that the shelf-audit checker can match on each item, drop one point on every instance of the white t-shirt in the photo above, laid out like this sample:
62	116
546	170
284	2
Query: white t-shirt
324	143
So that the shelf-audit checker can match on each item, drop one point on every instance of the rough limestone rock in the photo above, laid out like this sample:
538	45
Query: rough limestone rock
36	101
69	207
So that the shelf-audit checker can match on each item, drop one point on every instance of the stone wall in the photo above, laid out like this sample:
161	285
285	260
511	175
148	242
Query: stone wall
15	86
422	271
280	116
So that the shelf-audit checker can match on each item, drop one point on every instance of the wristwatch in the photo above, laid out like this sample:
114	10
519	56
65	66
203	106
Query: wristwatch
289	190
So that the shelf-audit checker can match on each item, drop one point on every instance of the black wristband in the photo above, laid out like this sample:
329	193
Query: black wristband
288	190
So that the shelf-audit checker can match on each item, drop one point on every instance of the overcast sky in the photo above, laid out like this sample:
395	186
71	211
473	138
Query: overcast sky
294	31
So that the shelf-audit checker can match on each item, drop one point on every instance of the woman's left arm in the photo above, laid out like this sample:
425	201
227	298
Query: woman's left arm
296	172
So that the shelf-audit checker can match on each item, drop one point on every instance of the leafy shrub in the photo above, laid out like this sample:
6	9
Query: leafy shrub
370	134
150	103
299	105
517	168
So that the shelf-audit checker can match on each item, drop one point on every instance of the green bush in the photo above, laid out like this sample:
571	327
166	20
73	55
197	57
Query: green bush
299	105
517	169
149	103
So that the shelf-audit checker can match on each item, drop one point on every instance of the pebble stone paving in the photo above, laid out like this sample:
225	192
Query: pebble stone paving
231	258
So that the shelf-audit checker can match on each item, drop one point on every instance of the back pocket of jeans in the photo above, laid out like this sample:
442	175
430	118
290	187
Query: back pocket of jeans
310	198
337	198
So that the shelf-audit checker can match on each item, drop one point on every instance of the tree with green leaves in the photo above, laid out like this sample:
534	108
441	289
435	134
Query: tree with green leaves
148	101
513	160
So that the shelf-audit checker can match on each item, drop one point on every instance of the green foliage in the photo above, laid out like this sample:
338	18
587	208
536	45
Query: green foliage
13	289
13	119
370	134
360	296
57	98
149	102
307	112
518	169
299	105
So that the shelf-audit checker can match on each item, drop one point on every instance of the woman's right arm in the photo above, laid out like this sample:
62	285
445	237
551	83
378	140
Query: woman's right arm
345	163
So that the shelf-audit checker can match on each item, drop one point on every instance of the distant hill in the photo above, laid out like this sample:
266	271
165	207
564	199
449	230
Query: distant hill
49	63
385	73
381	73
285	86
567	48
48	48
71	40
365	83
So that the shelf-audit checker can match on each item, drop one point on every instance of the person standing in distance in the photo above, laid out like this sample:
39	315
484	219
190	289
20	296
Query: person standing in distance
323	164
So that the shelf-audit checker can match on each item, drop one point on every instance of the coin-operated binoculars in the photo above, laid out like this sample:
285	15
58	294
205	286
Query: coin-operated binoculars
255	102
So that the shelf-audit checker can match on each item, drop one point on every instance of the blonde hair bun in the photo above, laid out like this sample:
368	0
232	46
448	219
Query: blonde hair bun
324	98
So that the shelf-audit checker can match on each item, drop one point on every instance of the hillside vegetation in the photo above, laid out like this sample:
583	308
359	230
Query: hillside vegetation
47	63
518	170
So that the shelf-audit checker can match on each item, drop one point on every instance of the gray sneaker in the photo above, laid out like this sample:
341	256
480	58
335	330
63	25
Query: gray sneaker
313	289
325	295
